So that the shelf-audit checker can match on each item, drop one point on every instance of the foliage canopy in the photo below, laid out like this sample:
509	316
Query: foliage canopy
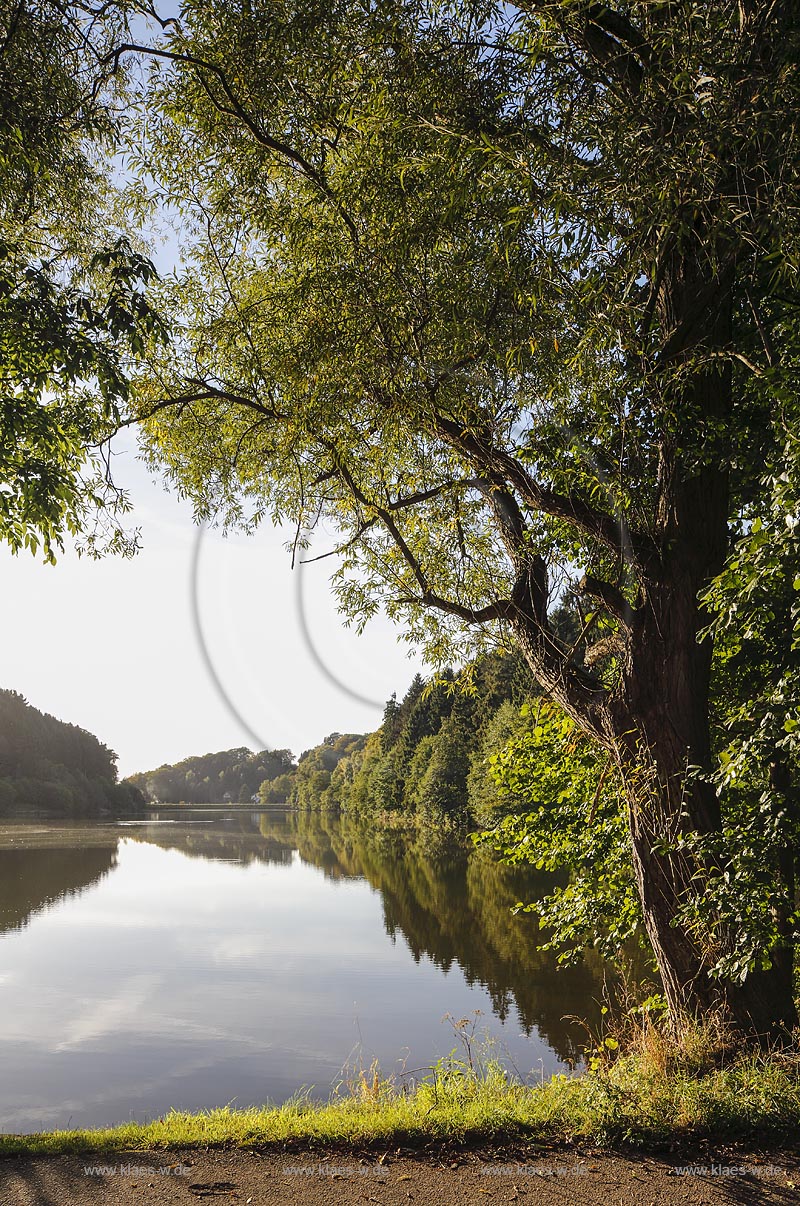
72	301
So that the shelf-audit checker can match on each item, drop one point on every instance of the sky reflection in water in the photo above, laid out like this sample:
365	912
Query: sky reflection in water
242	959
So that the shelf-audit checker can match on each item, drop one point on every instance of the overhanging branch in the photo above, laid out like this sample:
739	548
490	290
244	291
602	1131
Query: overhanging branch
569	507
579	691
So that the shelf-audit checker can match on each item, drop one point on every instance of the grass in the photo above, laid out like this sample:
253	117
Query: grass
648	1092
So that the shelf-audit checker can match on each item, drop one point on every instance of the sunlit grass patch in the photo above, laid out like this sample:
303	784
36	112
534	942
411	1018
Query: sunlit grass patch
650	1091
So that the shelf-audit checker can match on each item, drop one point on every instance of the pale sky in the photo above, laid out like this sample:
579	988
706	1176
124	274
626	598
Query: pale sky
111	645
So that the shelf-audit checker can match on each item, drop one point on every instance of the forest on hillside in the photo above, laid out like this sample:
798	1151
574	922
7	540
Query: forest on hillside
227	776
49	766
429	758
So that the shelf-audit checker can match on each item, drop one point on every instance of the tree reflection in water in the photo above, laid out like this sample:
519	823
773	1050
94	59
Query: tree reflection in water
35	878
449	902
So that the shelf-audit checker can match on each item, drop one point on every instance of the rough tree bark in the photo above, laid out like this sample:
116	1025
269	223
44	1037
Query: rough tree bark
655	723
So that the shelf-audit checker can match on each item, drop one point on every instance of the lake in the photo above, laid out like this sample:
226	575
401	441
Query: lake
197	959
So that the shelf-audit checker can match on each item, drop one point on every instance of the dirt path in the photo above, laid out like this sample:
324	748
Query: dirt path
550	1178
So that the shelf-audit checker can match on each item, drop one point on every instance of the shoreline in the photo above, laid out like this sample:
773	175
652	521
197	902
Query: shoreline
633	1100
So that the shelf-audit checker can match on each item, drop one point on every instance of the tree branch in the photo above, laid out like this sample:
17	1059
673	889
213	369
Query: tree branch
342	548
610	597
237	110
411	500
623	30
579	691
204	393
585	516
501	609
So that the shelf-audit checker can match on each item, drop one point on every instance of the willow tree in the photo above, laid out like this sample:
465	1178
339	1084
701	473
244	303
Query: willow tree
503	293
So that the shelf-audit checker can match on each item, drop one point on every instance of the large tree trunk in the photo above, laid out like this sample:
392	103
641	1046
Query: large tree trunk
663	803
660	727
656	722
656	725
763	1004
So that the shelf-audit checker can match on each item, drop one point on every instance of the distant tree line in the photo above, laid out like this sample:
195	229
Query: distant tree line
229	776
49	766
429	759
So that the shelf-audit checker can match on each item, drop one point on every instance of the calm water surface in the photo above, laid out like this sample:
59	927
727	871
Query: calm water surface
240	957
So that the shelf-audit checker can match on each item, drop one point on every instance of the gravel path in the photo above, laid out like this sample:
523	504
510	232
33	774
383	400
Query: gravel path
554	1177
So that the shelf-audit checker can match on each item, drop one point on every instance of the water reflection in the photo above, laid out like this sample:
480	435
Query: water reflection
201	958
449	902
35	878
